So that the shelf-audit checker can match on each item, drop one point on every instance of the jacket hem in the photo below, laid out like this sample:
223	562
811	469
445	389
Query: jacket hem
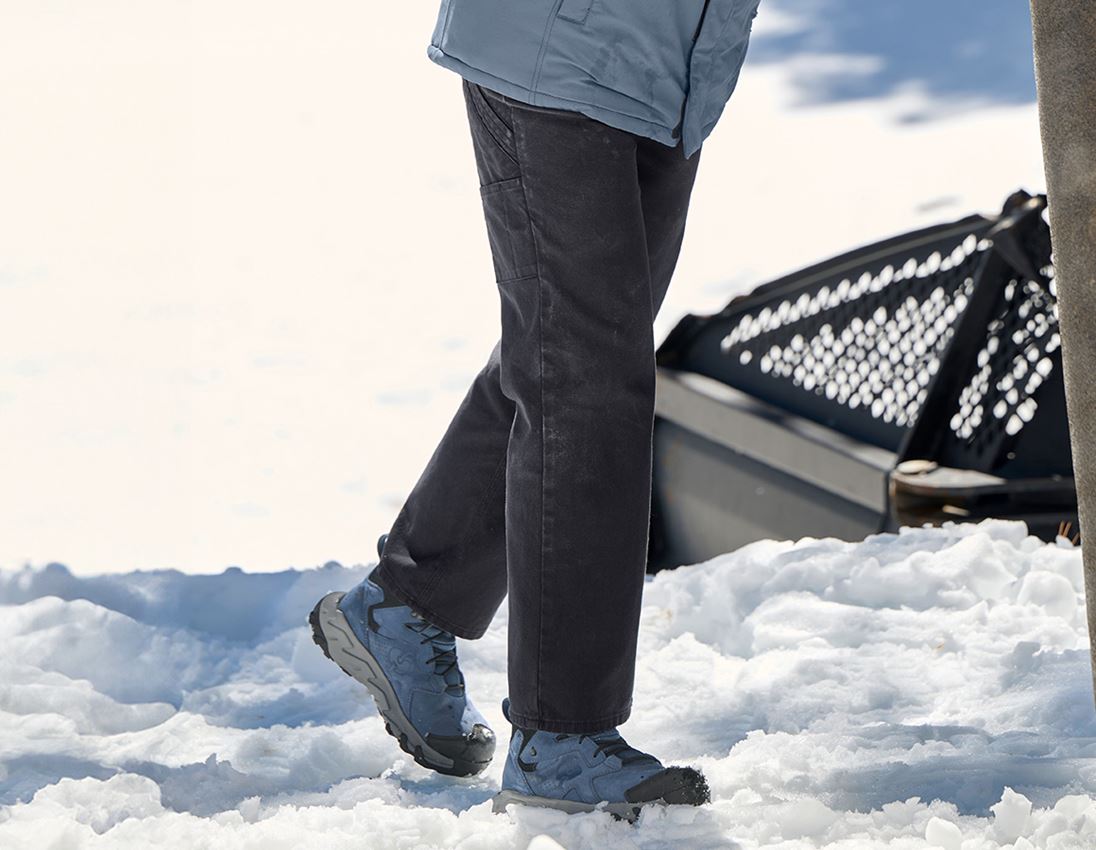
617	120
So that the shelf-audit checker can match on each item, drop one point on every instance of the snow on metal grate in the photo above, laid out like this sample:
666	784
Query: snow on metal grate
871	344
1014	362
1017	357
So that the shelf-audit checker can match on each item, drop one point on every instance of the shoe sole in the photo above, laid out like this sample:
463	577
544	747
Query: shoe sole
332	633
625	811
673	786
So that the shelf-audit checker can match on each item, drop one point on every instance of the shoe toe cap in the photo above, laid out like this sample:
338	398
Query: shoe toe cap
471	752
680	785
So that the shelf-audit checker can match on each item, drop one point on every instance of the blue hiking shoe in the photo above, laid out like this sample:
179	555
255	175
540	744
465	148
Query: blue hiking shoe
579	773
410	668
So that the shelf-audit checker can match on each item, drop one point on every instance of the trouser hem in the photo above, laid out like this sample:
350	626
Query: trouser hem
574	727
382	577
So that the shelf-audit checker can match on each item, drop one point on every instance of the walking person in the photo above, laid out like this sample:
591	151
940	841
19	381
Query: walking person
587	119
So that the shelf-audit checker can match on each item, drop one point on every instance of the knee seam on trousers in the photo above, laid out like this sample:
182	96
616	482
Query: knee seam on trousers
519	138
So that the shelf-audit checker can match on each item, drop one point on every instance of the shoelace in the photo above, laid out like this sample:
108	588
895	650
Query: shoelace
613	745
444	658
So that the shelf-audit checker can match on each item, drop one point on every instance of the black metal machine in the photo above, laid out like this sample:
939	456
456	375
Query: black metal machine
917	380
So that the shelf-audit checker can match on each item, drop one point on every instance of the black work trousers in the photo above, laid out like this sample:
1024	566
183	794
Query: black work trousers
541	486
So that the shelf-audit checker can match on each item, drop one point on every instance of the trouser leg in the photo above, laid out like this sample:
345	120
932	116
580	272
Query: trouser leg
445	555
570	239
585	223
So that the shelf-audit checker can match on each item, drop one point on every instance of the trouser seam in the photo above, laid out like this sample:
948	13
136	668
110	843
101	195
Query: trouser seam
518	139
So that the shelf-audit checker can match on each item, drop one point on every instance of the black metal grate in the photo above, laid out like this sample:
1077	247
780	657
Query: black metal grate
871	344
1014	367
1015	361
939	344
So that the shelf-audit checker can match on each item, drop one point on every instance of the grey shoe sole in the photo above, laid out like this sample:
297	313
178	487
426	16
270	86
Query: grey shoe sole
671	786
332	633
626	811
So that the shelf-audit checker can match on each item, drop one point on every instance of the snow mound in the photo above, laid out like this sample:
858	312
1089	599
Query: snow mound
924	689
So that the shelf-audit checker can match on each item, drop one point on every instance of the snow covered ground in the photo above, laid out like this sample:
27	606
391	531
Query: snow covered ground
926	689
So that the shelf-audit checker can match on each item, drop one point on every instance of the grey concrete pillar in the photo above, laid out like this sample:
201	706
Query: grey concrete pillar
1065	70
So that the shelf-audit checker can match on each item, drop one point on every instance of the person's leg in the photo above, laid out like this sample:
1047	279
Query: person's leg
606	213
446	553
442	571
570	236
443	568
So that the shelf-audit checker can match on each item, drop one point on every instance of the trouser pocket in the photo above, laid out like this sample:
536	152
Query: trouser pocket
491	121
492	137
494	141
509	229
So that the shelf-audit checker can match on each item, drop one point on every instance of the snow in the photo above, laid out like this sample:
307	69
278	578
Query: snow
924	689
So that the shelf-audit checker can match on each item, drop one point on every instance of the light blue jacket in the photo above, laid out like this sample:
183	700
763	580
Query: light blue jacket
658	68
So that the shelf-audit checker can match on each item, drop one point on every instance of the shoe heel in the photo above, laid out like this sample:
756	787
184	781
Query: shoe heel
318	636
